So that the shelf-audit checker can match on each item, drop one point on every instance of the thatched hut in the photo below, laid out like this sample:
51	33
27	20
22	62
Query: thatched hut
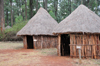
37	33
80	28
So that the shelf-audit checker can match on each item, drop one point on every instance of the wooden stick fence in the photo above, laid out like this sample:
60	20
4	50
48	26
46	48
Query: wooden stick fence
87	51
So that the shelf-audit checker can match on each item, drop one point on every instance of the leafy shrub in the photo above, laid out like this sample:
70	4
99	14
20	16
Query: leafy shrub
52	14
10	34
18	18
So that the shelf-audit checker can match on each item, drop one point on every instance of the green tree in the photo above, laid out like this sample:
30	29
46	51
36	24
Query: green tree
52	14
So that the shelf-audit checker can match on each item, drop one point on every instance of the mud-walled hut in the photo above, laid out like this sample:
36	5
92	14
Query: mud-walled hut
37	33
81	29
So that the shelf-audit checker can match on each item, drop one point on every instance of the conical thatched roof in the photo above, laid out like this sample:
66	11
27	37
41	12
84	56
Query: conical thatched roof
40	24
82	20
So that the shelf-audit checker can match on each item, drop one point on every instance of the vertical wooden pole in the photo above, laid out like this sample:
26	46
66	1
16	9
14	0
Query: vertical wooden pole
59	44
71	45
93	46
25	41
72	40
41	41
83	47
79	56
98	48
87	47
74	46
34	42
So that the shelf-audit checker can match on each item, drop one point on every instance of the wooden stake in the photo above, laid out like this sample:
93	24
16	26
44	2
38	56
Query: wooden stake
80	56
95	47
25	41
41	41
59	44
74	46
34	42
92	46
83	47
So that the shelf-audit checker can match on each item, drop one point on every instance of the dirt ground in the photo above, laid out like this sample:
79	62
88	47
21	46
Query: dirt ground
13	54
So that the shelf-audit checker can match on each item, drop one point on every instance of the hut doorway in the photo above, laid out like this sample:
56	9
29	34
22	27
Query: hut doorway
30	42
65	48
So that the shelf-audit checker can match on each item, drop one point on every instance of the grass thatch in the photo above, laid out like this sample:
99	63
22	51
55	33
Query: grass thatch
82	20
40	24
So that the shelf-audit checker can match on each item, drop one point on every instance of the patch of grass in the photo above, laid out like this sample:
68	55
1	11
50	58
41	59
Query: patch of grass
97	61
50	51
11	45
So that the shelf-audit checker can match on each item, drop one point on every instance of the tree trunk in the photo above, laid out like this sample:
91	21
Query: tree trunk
7	17
36	5
88	3
73	6
22	12
2	16
31	8
56	6
82	1
46	4
25	10
11	13
13	18
96	10
17	3
69	3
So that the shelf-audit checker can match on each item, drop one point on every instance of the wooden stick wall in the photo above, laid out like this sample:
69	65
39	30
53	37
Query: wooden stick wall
45	42
90	44
42	42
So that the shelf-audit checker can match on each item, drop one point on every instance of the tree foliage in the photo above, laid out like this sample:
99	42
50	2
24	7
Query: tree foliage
58	9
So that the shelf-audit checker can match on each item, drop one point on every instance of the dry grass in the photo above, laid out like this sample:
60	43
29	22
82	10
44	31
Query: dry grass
46	52
87	62
11	45
81	20
40	24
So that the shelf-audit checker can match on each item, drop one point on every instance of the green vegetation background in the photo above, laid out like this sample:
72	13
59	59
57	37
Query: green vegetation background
10	33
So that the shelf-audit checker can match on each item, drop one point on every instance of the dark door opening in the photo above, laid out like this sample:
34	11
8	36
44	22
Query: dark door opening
30	42
65	48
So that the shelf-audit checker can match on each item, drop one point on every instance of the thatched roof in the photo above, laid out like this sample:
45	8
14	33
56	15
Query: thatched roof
40	24
8	27
82	20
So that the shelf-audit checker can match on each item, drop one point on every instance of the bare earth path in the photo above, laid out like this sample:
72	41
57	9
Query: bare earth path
12	54
31	57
